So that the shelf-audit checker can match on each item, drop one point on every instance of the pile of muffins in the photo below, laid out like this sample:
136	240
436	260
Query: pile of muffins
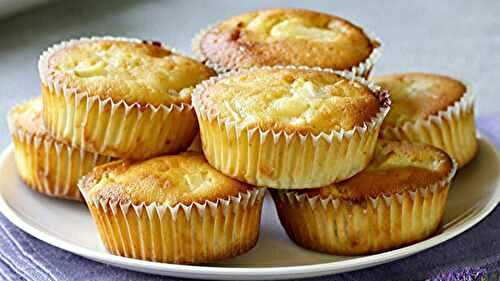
173	156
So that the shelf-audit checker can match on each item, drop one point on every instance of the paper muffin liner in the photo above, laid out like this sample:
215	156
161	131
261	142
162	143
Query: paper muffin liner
50	166
109	127
363	69
452	130
344	227
194	233
277	159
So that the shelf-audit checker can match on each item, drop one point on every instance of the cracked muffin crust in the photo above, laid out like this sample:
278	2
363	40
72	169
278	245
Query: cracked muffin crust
285	37
293	100
133	72
184	178
419	95
395	167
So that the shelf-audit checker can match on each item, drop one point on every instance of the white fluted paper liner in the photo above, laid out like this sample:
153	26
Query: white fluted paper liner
277	159
194	233
110	127
363	69
52	167
344	227
452	130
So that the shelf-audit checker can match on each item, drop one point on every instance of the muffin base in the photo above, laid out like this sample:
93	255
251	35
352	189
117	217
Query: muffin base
452	130
184	234
280	160
344	227
113	128
52	167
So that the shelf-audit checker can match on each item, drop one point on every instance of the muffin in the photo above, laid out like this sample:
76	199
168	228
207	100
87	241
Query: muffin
46	164
397	200
288	127
174	209
287	37
432	109
120	97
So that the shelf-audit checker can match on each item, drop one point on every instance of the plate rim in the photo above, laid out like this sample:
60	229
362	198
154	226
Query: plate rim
281	272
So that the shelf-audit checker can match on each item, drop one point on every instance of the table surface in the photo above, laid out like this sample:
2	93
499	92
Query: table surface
458	38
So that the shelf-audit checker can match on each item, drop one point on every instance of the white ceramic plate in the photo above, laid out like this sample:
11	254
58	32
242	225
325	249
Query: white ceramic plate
475	193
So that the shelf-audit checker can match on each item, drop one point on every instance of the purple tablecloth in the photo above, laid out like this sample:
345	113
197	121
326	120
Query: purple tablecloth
474	253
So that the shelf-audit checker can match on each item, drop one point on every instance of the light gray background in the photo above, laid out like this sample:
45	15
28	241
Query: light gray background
459	38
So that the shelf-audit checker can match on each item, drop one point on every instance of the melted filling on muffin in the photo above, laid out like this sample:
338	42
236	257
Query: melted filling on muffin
296	27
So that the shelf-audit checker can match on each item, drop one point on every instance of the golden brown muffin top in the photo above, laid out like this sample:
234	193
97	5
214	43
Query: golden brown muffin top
172	179
134	72
286	37
27	117
293	100
419	95
395	167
